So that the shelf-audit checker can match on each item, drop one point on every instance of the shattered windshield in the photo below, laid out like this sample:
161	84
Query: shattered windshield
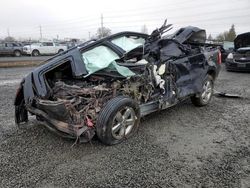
128	43
102	57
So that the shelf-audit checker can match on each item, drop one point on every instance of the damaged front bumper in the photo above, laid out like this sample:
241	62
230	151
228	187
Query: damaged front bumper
237	66
52	114
59	116
64	129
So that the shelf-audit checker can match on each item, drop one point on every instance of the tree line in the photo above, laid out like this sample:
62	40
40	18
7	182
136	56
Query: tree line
104	32
225	36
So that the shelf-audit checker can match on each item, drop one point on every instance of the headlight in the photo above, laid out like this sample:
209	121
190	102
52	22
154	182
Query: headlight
230	56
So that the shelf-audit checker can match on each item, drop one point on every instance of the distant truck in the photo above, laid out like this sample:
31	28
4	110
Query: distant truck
43	48
11	48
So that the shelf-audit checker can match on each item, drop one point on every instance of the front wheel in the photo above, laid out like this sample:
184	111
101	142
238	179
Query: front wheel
118	120
205	96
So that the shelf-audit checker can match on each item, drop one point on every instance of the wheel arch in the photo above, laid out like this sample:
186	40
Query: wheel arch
35	50
212	73
60	50
105	117
17	50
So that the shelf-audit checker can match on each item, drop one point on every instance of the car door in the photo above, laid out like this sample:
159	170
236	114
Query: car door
51	48
46	48
189	75
9	48
43	48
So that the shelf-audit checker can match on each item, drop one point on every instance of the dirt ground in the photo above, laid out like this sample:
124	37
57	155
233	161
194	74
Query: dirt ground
184	146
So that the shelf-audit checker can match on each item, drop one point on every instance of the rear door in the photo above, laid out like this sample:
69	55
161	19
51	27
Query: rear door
51	48
190	72
43	48
47	48
9	48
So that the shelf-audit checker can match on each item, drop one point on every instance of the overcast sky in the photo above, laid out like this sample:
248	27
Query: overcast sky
78	18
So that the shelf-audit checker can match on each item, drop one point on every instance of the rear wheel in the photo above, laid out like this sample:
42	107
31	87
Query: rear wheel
60	51
35	53
118	120
205	96
17	53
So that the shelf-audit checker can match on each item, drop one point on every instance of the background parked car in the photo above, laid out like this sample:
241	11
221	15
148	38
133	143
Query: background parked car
43	48
11	48
239	59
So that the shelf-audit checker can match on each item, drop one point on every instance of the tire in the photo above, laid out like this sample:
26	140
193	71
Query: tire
118	120
35	53
17	53
21	114
202	99
60	51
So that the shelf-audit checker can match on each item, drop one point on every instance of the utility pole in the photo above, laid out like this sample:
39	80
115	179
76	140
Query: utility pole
102	24
41	34
8	32
89	35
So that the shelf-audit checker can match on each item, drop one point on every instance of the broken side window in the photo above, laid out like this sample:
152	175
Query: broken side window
128	43
98	58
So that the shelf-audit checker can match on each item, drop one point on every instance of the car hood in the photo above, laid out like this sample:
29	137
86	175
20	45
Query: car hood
190	34
244	49
242	54
242	40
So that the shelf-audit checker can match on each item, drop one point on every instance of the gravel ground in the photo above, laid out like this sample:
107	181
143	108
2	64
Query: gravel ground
184	146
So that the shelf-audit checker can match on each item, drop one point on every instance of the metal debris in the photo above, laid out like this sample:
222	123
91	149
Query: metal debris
225	94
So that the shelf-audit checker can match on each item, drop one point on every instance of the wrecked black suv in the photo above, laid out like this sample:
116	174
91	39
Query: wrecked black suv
104	87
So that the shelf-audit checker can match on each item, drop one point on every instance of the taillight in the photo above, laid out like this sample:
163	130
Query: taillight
18	91
219	57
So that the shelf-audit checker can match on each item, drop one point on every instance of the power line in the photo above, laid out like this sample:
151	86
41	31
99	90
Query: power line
130	22
217	13
135	11
77	27
188	21
52	27
136	26
167	8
